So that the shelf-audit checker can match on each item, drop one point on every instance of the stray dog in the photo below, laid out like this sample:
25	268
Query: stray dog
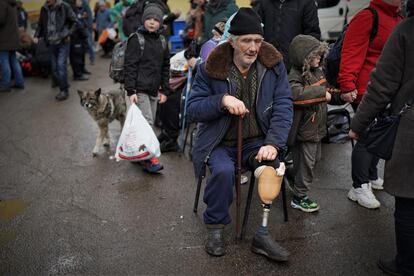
104	108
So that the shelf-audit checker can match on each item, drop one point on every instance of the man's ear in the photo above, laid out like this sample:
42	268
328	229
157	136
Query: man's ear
98	92
230	41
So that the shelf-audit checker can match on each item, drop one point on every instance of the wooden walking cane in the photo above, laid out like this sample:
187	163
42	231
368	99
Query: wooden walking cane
239	171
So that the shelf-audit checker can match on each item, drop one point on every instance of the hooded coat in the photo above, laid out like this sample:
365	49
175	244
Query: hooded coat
285	19
308	90
392	82
9	34
273	103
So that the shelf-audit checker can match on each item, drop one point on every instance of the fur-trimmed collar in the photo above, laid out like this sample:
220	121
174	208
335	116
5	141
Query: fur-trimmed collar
220	59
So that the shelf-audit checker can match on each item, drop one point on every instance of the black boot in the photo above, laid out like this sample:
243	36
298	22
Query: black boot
215	242
265	245
162	137
63	95
388	267
169	145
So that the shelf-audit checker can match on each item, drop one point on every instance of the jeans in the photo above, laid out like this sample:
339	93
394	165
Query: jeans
59	64
90	49
8	62
404	233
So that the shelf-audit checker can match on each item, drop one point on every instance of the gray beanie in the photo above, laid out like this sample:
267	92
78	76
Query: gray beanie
153	10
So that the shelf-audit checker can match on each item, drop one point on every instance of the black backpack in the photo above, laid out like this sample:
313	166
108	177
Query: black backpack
116	67
333	60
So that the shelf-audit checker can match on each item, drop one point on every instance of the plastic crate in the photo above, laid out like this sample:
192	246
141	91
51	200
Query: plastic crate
176	43
177	27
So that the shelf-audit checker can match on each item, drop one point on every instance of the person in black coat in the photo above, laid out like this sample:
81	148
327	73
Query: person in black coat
285	19
79	44
21	15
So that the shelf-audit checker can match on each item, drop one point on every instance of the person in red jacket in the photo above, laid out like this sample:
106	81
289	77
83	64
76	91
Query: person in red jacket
358	58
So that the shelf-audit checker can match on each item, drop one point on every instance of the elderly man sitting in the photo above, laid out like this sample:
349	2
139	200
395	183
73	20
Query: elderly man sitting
243	77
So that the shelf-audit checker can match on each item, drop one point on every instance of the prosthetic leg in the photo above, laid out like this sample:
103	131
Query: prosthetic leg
269	184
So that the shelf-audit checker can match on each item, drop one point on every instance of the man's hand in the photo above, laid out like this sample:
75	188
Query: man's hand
133	99
162	98
353	135
266	153
67	39
35	40
234	105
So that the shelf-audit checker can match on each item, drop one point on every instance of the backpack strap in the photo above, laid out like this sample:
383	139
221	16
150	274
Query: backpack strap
141	41
375	23
163	42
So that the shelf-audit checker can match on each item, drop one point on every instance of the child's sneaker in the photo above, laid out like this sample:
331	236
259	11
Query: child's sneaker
153	165
304	204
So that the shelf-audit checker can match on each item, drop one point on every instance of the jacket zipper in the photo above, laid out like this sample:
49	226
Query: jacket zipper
257	100
221	131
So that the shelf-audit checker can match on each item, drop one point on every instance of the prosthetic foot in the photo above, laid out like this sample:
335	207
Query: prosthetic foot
270	181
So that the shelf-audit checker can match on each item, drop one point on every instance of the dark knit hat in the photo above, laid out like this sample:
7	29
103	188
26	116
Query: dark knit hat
246	21
153	10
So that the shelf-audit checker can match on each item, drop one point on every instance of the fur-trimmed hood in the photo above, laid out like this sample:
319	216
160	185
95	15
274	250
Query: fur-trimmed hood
220	59
303	49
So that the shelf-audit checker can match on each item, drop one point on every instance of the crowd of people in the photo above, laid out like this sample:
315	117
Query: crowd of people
263	65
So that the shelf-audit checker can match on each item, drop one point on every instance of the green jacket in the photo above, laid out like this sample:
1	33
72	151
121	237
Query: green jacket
213	15
308	87
116	17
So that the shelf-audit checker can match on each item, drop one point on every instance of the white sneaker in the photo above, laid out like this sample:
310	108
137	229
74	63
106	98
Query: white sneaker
377	184
364	196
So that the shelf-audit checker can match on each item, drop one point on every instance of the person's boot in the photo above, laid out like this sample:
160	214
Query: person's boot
264	244
169	145
81	78
63	95
388	266
215	242
162	137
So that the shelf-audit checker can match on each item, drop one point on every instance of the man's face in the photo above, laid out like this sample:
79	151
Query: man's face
50	2
246	49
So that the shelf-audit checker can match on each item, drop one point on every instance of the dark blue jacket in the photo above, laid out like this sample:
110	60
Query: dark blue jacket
273	104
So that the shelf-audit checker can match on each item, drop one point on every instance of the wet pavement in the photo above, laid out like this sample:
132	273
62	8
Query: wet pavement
64	212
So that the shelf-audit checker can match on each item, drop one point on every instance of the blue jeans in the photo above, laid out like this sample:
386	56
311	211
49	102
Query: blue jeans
8	62
60	54
91	51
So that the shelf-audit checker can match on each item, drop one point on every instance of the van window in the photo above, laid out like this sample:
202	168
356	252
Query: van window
327	3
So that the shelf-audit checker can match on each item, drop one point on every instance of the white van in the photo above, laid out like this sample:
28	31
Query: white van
333	14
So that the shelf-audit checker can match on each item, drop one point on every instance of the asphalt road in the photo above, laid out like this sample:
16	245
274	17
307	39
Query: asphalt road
64	212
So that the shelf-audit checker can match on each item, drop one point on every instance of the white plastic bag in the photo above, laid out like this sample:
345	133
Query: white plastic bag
138	141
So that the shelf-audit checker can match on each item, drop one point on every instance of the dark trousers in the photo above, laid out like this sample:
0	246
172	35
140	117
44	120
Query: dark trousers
77	58
404	233
218	194
59	55
169	115
364	164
